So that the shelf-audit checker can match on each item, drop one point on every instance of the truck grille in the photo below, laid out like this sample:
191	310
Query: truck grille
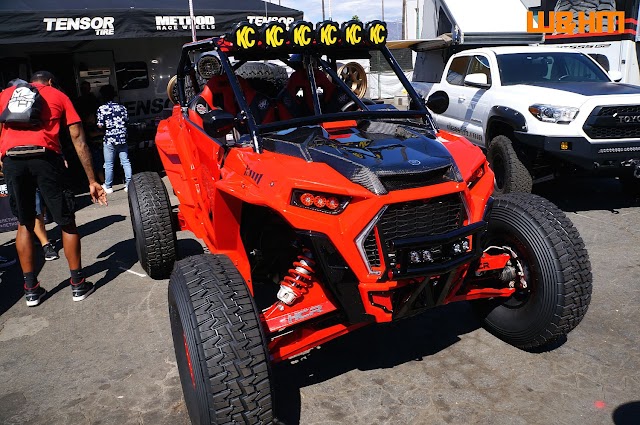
425	217
614	122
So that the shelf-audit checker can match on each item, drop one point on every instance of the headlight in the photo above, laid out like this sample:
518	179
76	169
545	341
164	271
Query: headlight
322	202
557	114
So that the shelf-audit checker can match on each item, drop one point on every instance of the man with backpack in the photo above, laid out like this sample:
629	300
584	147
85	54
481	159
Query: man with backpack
30	122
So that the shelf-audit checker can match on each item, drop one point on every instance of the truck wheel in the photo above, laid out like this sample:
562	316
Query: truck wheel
510	173
556	268
152	223
220	347
586	6
630	184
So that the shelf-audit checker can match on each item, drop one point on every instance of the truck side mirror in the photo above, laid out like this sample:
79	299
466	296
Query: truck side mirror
477	80
438	102
217	122
615	76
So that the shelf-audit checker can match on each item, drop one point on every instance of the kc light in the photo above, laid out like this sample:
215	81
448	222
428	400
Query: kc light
322	202
554	114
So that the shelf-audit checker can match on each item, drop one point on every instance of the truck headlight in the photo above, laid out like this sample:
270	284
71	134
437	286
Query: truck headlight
557	114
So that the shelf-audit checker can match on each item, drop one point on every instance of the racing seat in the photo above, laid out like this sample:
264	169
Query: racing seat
217	93
296	99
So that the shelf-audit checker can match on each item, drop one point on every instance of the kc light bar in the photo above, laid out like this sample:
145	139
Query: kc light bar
302	34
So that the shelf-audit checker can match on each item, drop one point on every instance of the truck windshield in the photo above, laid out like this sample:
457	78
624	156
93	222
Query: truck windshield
548	67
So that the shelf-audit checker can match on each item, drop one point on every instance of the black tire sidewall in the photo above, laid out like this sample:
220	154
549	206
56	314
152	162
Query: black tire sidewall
136	224
519	325
160	232
182	318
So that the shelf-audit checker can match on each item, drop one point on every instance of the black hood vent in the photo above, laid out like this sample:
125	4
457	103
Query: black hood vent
400	158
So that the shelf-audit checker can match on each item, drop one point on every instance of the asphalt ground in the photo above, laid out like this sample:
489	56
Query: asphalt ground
110	359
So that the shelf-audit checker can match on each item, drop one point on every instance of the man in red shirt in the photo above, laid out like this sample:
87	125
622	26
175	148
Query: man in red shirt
27	165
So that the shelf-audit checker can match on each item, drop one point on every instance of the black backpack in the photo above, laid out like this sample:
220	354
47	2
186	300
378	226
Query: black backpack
24	108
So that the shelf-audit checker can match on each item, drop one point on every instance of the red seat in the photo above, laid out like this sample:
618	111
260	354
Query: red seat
218	93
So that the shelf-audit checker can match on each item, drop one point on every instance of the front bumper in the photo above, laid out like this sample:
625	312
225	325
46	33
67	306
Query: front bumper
589	156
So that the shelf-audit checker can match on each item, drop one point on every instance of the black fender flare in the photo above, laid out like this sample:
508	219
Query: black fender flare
508	116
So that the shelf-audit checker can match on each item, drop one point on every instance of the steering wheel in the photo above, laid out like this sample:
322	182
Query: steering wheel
348	105
352	103
563	77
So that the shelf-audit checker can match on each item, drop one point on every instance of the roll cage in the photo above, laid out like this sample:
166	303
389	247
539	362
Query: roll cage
312	58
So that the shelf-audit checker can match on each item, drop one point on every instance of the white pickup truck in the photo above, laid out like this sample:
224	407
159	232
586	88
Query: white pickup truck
539	111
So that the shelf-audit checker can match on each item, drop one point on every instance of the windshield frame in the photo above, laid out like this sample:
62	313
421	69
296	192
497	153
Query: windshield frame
589	63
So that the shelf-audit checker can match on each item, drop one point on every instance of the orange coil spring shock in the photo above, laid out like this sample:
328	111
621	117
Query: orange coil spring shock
298	281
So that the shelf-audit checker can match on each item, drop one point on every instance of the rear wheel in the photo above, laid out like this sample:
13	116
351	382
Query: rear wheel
152	222
511	175
219	343
556	268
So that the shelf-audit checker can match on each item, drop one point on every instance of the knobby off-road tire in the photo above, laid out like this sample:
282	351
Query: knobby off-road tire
556	267
219	343
586	6
152	222
510	173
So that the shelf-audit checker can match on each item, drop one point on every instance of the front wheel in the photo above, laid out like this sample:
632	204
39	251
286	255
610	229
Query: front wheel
152	222
556	268
220	346
510	173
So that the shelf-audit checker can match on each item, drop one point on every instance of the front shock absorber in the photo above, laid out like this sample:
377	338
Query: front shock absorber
297	283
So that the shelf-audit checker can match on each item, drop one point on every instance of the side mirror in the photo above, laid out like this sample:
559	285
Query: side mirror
217	122
438	102
477	80
615	76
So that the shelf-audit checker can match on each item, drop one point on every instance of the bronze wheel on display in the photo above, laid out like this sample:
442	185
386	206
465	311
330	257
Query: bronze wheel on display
355	77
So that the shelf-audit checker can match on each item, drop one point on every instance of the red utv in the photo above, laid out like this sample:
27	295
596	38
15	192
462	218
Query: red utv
324	212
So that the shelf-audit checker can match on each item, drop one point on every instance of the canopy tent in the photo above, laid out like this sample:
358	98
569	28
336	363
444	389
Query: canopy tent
32	21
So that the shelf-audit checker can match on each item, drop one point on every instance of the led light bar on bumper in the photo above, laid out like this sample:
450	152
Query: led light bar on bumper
554	114
321	202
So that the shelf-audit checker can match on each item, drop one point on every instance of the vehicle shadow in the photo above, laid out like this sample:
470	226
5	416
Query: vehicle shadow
372	347
627	414
11	287
573	194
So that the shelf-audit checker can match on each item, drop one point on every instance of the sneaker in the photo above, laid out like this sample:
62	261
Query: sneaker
50	252
126	188
34	295
82	291
107	190
6	262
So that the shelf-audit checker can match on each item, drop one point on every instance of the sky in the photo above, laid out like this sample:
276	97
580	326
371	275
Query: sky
343	10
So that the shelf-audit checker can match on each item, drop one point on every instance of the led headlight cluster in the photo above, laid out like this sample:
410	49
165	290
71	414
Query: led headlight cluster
554	114
432	254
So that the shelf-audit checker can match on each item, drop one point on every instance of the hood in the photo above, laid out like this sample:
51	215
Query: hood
569	94
381	157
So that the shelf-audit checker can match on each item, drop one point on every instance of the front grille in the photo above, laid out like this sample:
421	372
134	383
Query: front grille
622	109
614	132
426	217
371	249
604	122
411	181
421	218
